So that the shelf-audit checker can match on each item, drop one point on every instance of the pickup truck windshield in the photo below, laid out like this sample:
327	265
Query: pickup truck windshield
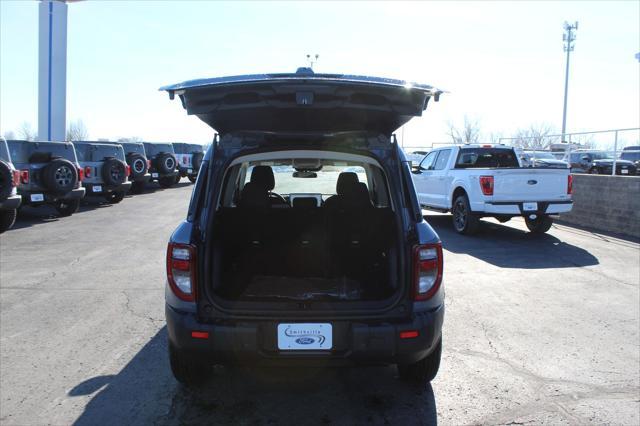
478	158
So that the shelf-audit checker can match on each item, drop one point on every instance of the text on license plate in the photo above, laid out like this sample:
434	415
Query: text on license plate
529	207
625	171
37	197
97	188
305	336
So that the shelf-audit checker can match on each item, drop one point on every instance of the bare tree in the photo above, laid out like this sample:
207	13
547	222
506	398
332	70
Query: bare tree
26	133
8	135
468	133
536	136
77	131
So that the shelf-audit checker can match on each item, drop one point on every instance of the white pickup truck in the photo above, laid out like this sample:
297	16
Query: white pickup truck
474	181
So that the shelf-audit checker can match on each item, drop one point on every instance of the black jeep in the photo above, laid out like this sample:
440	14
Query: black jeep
49	174
163	167
304	241
105	170
9	179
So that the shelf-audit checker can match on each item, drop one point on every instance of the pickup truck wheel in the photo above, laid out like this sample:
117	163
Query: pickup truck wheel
464	221
67	207
166	181
539	225
187	370
192	179
424	370
114	197
7	219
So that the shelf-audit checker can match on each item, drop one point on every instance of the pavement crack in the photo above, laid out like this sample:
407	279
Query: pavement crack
128	308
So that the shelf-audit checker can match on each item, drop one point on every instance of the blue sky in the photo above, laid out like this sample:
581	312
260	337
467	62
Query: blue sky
502	62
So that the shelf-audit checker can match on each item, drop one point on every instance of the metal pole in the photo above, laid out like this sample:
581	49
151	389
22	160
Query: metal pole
568	38
615	153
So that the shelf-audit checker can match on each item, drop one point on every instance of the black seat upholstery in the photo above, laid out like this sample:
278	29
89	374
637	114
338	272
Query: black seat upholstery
263	176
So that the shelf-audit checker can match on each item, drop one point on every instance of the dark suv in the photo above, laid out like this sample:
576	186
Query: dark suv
599	162
9	179
304	241
49	174
138	164
105	170
631	153
163	165
189	157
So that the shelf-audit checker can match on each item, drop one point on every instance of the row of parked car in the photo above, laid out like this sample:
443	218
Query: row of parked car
62	173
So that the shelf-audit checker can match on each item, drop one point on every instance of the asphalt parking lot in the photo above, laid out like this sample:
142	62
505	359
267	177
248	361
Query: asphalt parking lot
537	330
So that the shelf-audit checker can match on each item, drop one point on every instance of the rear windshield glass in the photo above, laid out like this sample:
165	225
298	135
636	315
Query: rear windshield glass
95	153
155	148
470	158
133	147
196	148
631	154
181	148
21	151
4	152
324	182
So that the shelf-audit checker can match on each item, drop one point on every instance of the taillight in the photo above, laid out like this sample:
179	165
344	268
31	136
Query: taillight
570	184
87	171
128	171
15	178
24	177
427	265
181	270
486	183
80	174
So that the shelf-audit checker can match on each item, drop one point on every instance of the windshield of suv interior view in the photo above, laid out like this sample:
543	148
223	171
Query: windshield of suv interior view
372	212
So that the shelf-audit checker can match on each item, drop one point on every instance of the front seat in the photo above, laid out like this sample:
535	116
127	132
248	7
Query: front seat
345	186
262	177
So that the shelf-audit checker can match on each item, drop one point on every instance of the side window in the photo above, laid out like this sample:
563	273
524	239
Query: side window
443	159
427	162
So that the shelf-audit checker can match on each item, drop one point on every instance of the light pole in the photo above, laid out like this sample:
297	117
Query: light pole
568	38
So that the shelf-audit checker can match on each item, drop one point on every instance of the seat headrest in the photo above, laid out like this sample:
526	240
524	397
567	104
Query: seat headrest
263	176
254	196
346	182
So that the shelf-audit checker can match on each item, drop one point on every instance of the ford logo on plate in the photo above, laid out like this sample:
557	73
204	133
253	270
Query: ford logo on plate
305	340
532	182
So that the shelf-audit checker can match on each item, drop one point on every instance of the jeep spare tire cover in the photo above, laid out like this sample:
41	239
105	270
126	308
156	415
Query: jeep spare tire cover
196	160
60	176
138	165
6	180
165	162
114	171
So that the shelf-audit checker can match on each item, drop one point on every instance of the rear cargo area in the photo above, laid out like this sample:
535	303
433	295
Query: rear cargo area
305	253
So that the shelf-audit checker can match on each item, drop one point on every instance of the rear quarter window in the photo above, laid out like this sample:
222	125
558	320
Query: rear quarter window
470	158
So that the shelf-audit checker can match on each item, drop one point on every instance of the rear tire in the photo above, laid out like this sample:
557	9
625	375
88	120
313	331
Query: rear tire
7	219
464	221
166	181
67	207
187	370
137	187
114	197
424	370
539	225
192	179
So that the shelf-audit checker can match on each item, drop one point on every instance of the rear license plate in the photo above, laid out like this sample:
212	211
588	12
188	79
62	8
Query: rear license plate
190	171
527	207
154	175
625	171
37	197
304	337
97	188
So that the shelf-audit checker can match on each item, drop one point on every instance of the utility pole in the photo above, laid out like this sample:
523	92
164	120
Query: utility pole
568	38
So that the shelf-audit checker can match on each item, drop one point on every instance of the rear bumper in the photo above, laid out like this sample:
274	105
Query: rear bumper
512	208
184	171
11	203
48	198
106	189
354	342
144	178
162	175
